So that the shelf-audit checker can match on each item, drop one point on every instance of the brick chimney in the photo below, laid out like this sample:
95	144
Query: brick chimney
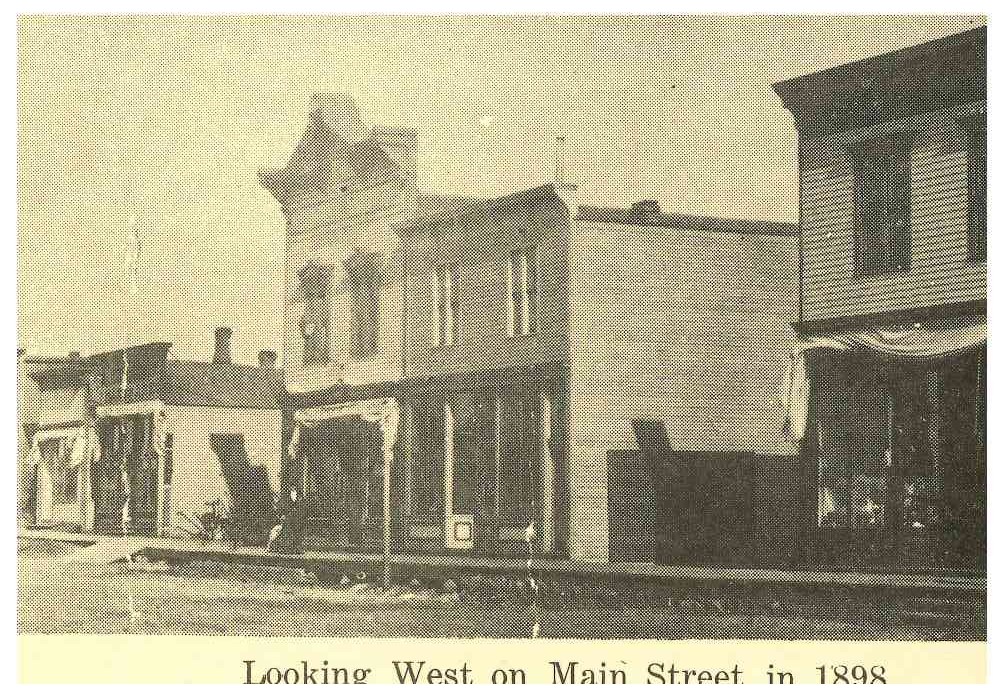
267	358
222	355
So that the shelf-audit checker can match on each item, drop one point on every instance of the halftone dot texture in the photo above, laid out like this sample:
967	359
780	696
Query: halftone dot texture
664	285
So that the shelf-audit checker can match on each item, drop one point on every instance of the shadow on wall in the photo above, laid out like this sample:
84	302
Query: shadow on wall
252	513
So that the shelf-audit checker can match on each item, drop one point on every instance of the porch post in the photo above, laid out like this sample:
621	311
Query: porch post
85	477
389	422
546	524
158	447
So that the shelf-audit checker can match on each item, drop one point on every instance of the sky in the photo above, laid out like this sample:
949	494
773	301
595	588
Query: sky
159	125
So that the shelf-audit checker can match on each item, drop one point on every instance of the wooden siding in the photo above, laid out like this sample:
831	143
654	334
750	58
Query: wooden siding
940	273
688	327
198	476
478	249
327	235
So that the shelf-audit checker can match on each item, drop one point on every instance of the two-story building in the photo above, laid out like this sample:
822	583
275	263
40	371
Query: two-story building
459	369
138	441
888	389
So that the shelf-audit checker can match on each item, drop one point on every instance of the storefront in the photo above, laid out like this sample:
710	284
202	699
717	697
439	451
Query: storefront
892	423
479	469
59	460
433	469
128	475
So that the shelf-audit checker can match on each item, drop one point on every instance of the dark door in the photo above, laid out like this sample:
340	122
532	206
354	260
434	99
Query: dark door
107	486
126	447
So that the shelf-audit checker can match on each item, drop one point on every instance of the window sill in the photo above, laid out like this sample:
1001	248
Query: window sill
882	274
368	357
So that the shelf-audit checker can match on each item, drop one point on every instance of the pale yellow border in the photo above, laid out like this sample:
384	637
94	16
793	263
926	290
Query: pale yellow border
186	659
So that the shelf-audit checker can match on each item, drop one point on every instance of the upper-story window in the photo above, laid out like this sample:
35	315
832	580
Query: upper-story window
443	309
314	285
883	239
977	188
522	307
362	277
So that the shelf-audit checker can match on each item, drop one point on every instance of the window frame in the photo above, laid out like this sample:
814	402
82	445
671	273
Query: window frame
443	310
362	278
315	290
976	134
522	292
882	173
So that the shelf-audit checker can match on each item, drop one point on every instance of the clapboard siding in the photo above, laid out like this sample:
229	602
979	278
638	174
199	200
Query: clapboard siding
940	272
478	250
687	327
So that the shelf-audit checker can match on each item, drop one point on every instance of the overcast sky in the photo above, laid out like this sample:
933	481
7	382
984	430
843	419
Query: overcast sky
168	120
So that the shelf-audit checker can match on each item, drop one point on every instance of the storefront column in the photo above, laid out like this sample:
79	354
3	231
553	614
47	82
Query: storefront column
546	523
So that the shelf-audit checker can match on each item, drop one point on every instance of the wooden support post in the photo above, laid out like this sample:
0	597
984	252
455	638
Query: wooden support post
157	433
546	519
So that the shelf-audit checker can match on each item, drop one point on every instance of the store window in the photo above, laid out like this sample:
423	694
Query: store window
518	458
55	456
853	451
427	461
879	441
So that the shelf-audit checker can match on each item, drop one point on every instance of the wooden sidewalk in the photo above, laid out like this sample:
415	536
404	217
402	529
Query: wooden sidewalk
428	565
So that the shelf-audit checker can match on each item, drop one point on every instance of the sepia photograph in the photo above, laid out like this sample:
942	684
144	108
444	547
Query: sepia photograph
479	327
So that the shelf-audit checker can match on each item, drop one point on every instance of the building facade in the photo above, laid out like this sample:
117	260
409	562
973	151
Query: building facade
135	441
459	370
888	387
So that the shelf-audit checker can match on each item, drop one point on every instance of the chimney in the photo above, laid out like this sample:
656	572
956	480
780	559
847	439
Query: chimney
267	358
222	356
559	166
75	355
645	210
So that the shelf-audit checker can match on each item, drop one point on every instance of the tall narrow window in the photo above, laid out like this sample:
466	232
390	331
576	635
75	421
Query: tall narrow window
883	206
314	284
168	477
362	276
443	308
977	189
521	283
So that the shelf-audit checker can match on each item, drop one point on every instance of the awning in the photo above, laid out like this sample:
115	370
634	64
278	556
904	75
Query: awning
919	341
930	339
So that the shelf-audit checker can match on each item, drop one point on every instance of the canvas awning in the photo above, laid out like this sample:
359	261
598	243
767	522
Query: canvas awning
919	341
